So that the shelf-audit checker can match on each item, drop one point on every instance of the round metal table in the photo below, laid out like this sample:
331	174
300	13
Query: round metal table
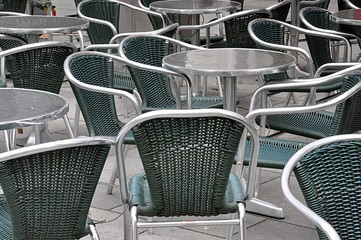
228	63
35	25
26	107
349	16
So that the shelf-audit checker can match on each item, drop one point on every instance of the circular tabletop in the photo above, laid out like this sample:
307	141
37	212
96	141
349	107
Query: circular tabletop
229	62
349	16
38	24
193	6
25	107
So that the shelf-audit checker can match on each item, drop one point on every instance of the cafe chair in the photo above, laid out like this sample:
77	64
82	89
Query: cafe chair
158	91
280	10
328	173
319	19
270	34
92	81
315	121
48	188
187	157
38	66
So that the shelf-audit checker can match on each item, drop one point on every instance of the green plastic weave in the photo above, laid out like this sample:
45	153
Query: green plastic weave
330	178
40	69
187	162
49	193
98	109
154	88
13	5
345	119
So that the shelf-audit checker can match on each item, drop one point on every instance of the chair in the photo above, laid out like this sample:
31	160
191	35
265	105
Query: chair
187	157
316	119
280	10
328	173
13	5
92	81
39	66
235	25
319	19
156	90
48	188
270	34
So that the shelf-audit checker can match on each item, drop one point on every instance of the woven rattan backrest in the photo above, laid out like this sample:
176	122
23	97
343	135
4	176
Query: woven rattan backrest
236	30
330	178
315	3
347	118
49	193
98	109
154	88
319	47
40	68
13	5
8	42
187	162
280	10
102	10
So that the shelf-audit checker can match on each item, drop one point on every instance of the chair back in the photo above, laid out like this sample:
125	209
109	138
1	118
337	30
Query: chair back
187	157
319	47
280	10
49	187
155	21
236	29
328	172
313	3
154	88
98	109
38	66
347	116
13	5
103	16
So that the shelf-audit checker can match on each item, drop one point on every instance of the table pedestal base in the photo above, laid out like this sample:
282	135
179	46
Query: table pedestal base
255	205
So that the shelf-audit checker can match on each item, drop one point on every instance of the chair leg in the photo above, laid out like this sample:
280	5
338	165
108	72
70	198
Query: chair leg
242	221
68	126
76	120
126	219
134	222
93	232
229	235
114	175
10	139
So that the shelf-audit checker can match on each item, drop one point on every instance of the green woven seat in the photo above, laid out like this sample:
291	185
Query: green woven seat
187	157
328	172
155	88
49	188
13	5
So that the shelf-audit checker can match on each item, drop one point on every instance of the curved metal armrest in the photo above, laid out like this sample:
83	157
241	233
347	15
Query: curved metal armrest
13	14
350	4
338	66
285	178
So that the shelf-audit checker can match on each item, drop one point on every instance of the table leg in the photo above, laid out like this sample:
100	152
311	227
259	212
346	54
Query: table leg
195	40
294	21
230	93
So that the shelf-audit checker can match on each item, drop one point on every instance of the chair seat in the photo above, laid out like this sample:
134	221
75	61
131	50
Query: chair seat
140	197
315	125
273	153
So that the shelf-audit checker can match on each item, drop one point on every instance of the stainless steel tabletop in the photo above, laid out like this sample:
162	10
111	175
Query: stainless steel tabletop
349	16
38	24
229	62
25	107
193	6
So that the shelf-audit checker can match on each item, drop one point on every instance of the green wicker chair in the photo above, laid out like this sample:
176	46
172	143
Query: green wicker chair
13	5
275	153
48	189
328	173
92	81
187	157
156	89
235	26
319	19
270	34
280	10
